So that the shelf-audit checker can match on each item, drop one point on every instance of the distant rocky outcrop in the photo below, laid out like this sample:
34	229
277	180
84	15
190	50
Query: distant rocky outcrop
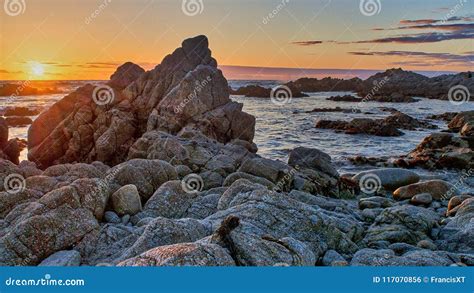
257	91
392	85
185	92
388	126
327	84
24	89
452	149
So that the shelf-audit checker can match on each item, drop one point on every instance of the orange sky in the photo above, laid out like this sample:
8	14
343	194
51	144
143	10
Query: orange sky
87	39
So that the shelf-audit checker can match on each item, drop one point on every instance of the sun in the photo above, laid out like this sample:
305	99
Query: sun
37	69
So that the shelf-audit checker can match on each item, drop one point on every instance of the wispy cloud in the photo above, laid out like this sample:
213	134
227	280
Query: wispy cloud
307	43
422	58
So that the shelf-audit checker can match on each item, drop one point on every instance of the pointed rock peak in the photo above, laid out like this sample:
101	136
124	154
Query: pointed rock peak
195	43
125	74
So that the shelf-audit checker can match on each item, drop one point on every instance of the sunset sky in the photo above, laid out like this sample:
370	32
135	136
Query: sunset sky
88	39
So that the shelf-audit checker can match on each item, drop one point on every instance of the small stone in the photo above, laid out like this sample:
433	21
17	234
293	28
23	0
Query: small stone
126	200
111	217
65	258
125	219
421	199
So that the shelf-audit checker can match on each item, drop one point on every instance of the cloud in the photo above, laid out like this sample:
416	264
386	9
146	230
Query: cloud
307	43
443	27
418	21
421	38
422	58
4	71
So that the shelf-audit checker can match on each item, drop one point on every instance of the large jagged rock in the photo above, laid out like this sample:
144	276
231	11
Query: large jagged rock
54	222
185	91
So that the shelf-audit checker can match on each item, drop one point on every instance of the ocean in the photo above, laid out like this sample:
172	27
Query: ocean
281	128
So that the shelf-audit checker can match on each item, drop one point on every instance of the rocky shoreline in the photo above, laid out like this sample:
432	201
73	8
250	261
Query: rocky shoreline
159	168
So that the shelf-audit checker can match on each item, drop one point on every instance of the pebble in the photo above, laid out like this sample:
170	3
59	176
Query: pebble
111	217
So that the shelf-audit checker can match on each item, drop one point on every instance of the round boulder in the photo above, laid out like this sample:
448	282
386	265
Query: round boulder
126	200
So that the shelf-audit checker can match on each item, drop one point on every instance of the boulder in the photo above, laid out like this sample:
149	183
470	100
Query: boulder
126	200
438	189
184	254
389	178
312	158
170	200
421	199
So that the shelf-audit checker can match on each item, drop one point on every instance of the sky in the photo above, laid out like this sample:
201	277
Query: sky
88	39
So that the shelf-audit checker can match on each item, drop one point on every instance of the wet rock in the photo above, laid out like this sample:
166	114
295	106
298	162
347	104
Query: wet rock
361	126
454	203
389	178
257	91
421	199
345	98
438	189
15	121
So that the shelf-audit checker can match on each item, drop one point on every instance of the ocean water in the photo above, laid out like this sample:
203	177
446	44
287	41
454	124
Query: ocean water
281	128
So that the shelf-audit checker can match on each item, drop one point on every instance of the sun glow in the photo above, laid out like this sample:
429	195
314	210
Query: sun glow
37	69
